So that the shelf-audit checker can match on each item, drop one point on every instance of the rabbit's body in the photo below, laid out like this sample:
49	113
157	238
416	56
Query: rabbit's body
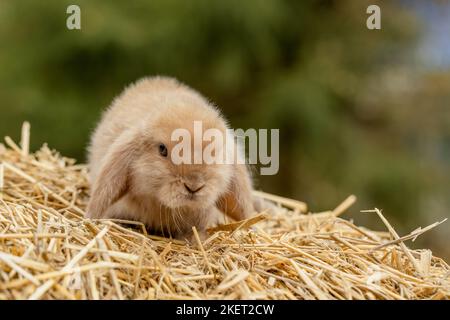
130	179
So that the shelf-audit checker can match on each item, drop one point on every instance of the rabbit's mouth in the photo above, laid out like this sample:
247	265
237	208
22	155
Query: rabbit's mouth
182	200
197	201
194	200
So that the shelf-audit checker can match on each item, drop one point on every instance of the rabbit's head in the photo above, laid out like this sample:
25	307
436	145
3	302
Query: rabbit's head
166	168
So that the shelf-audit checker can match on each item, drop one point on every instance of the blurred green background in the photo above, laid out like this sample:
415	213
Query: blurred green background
364	112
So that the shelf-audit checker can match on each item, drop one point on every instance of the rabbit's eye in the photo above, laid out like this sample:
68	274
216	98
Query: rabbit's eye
162	150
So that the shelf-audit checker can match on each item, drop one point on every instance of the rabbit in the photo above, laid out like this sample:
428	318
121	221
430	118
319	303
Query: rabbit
132	175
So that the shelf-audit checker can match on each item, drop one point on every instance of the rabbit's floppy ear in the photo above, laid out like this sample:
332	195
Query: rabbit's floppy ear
112	182
237	202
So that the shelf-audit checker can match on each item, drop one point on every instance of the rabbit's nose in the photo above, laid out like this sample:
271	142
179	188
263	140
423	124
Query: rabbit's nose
193	188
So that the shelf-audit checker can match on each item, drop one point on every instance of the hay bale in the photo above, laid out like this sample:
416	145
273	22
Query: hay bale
49	251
